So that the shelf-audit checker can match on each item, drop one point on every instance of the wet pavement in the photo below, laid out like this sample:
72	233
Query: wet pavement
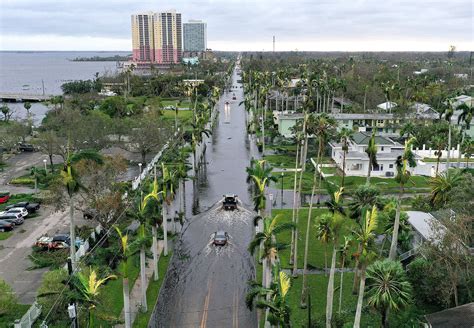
205	285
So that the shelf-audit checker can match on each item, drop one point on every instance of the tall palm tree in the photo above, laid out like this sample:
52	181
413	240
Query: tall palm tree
467	148
345	248
126	253
403	162
441	185
439	144
260	173
321	126
168	193
141	242
372	154
88	284
466	118
323	233
151	208
71	181
267	238
277	298
345	135
335	225
448	113
365	237
388	288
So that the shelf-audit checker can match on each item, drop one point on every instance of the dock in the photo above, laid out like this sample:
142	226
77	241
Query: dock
21	97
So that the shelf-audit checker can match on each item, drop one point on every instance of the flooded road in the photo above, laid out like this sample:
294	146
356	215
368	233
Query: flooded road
206	285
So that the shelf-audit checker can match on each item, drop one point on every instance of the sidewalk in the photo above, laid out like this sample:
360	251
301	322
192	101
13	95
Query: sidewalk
136	292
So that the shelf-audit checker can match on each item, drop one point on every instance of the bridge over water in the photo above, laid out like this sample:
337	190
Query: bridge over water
19	97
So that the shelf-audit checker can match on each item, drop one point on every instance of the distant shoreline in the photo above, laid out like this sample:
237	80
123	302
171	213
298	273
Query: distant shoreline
101	59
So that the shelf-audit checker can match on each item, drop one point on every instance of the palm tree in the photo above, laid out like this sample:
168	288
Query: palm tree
388	288
364	197
407	159
321	126
448	113
151	207
87	284
126	253
466	117
168	192
441	185
439	144
345	135
141	242
277	298
348	240
27	106
372	154
407	129
467	148
323	233
335	226
267	238
261	175
365	237
71	181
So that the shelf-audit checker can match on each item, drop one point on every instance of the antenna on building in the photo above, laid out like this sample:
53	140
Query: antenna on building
273	43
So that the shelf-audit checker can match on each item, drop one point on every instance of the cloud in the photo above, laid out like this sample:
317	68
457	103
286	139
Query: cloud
244	24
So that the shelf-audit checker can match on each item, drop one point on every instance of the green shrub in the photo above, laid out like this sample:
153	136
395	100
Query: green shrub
23	181
43	258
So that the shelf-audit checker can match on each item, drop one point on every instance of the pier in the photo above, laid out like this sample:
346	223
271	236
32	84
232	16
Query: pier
19	97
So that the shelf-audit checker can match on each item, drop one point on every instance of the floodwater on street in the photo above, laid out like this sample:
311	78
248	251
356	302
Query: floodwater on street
205	285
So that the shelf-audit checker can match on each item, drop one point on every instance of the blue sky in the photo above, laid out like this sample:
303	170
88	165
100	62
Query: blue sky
324	25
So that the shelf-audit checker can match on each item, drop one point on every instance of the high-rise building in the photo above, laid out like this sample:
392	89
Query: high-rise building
168	37
142	37
157	37
195	36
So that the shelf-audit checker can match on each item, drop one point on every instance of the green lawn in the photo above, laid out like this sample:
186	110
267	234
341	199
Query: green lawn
385	185
329	170
289	180
174	102
19	198
111	296
318	289
5	235
281	161
316	247
7	319
141	321
182	114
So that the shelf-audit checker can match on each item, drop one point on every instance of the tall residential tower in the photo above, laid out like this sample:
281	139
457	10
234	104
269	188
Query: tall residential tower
157	37
195	36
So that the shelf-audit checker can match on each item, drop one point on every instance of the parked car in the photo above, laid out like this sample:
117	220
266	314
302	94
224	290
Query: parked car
230	202
4	197
5	226
25	147
30	207
60	241
21	210
43	242
220	238
13	218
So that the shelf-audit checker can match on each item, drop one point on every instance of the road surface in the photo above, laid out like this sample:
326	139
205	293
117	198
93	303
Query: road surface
206	285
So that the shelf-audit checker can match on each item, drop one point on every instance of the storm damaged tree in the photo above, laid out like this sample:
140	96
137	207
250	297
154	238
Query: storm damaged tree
148	133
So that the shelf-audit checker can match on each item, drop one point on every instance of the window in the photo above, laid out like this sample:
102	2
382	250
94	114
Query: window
381	148
390	166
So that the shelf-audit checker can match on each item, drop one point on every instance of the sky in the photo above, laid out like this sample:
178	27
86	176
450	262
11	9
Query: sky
304	25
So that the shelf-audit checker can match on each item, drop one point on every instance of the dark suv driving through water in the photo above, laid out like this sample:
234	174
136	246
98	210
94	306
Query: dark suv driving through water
220	238
230	202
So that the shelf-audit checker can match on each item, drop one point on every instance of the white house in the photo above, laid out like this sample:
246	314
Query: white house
357	161
424	111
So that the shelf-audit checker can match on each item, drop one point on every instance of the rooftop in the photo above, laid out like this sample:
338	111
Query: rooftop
423	222
460	317
361	138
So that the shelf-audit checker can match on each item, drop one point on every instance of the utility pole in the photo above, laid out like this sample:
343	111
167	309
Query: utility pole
273	43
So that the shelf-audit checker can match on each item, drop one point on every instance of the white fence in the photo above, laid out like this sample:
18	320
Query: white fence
29	317
430	153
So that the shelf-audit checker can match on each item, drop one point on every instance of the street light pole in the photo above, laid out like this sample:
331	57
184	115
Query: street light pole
282	176
140	180
270	196
45	170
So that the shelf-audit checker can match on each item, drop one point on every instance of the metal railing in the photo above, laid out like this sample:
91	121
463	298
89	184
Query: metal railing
29	317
